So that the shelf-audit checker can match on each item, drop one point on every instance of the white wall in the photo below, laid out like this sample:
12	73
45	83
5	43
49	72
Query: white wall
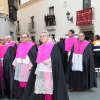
39	9
96	5
10	27
24	1
2	26
6	27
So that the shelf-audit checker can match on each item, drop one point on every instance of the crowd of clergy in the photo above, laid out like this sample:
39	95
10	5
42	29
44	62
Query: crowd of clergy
47	69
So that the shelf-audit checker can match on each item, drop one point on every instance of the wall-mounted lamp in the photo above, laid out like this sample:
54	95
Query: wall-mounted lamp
68	17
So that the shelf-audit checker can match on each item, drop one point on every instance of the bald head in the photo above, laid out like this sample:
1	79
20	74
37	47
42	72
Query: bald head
9	38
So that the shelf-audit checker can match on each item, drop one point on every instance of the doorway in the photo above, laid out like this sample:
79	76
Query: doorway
33	38
88	35
12	35
53	35
18	39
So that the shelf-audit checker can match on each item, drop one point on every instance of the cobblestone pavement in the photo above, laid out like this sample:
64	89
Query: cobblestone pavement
93	94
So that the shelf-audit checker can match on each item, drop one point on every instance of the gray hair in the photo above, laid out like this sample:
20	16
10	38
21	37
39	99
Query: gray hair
82	33
9	36
46	32
3	37
26	34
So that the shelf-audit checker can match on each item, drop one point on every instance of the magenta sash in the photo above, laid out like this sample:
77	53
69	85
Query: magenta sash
23	49
79	47
69	43
44	52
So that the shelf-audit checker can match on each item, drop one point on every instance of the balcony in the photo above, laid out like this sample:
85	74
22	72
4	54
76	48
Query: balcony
18	30
13	3
12	14
31	27
50	26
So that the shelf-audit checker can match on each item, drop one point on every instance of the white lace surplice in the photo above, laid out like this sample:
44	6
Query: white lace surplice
77	62
22	70
44	80
1	61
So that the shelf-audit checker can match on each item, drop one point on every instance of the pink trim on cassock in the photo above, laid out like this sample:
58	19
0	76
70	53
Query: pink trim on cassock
3	50
44	52
1	75
48	97
23	50
69	43
48	76
79	47
23	84
12	43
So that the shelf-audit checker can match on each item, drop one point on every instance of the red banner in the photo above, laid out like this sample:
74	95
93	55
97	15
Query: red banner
84	17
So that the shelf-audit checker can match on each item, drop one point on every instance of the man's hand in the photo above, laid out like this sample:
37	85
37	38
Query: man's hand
14	67
45	63
72	63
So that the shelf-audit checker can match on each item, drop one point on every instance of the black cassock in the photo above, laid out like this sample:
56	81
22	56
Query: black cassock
8	73
17	90
59	85
15	49
64	54
77	80
96	55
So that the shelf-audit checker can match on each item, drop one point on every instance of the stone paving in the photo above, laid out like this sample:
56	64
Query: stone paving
93	94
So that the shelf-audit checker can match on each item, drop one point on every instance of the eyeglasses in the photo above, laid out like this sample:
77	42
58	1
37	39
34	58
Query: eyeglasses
2	40
43	36
80	36
23	37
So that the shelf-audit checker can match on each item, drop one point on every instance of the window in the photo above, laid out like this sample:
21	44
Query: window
33	38
18	39
18	26
51	10
12	35
15	3
53	36
32	22
86	4
19	2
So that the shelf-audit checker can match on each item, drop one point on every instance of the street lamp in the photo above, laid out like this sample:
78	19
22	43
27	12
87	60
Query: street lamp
68	17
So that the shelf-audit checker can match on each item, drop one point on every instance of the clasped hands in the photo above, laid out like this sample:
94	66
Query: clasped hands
45	62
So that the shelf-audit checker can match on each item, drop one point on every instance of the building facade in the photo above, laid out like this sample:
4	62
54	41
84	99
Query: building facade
8	15
80	15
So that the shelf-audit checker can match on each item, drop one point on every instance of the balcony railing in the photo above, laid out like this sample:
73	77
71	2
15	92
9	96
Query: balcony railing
49	28
12	14
13	3
31	27
50	25
18	30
